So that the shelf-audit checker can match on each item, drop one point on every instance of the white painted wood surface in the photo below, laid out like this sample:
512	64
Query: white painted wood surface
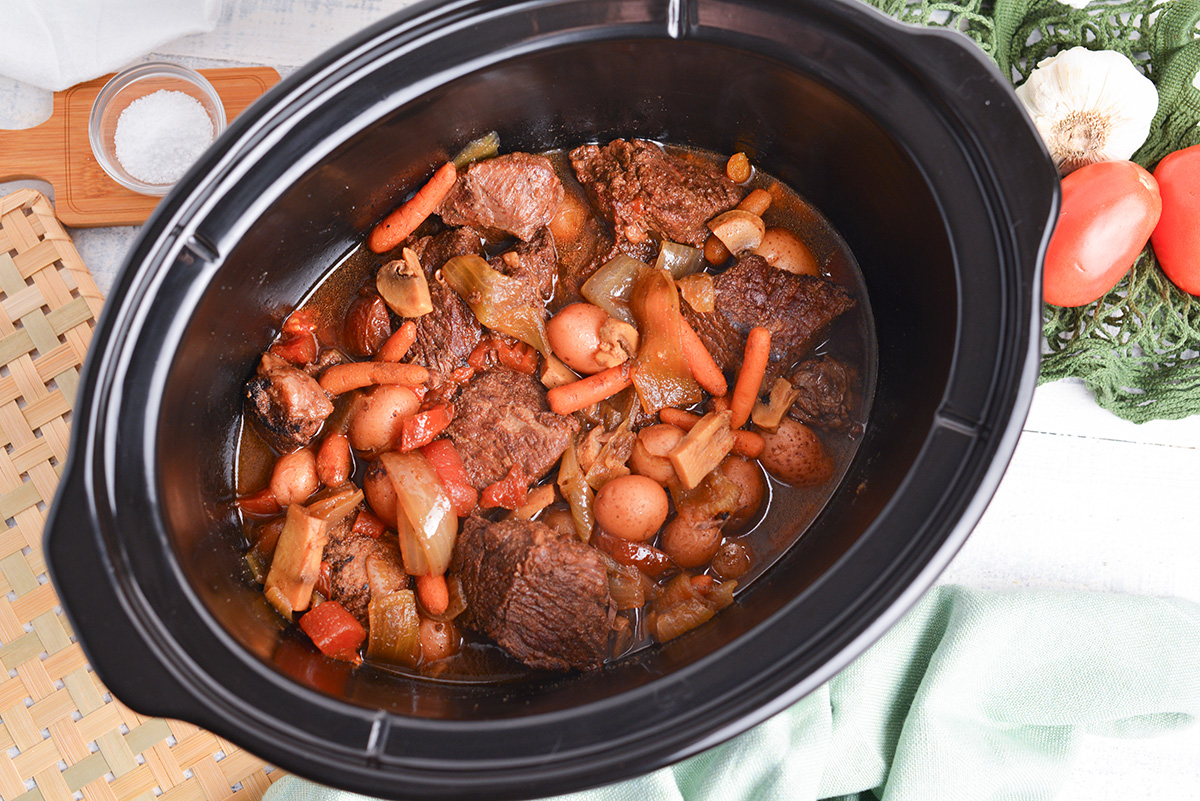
1089	501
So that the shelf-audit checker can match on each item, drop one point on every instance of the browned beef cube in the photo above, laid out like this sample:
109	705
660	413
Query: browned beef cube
502	419
287	402
582	247
516	194
641	189
534	262
361	567
826	388
796	309
541	596
447	335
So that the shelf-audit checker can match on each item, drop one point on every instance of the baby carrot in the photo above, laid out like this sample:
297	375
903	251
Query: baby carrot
397	345
748	443
404	220
345	377
749	380
583	393
334	461
704	368
678	418
434	594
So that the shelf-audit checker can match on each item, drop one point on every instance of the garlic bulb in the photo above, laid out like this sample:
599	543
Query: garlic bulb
1089	106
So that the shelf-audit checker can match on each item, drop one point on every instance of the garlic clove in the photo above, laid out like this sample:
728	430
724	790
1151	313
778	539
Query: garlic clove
1089	106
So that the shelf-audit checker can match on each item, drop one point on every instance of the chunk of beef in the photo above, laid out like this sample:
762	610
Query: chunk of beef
435	251
541	596
287	402
826	388
502	419
516	194
447	335
580	258
582	239
534	262
641	189
361	567
796	309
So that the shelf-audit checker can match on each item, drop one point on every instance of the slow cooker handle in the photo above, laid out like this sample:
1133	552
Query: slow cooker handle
1020	165
89	586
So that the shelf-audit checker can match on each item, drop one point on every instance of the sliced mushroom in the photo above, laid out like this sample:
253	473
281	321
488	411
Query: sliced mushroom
403	286
738	230
785	251
767	416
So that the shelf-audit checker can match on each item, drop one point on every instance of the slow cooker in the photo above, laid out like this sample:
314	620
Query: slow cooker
908	140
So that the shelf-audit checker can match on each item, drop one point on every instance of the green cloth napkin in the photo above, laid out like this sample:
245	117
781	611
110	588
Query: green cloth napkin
973	695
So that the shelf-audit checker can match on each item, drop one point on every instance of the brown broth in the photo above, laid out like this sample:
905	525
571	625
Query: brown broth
851	340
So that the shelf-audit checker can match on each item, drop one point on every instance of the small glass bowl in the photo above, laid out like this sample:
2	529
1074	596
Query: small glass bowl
129	85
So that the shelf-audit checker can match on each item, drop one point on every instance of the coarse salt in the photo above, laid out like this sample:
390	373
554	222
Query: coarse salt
160	135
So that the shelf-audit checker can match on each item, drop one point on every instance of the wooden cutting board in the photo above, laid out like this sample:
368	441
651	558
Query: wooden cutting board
58	151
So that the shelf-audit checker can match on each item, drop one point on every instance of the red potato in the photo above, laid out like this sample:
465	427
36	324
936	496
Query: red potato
294	477
378	416
1109	210
439	639
752	485
691	541
650	450
380	493
733	559
1176	238
574	336
587	340
568	221
794	455
367	325
631	507
559	518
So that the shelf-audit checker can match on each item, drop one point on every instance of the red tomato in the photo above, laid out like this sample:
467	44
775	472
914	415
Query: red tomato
334	630
1108	211
449	468
1176	238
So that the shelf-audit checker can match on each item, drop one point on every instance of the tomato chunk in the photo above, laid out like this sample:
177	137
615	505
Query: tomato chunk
297	340
449	468
509	492
368	525
423	427
333	630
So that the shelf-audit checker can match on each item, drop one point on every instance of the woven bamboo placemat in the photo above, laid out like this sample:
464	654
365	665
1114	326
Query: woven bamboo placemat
62	735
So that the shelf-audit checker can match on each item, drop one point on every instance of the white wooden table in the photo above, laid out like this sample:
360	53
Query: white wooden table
1089	501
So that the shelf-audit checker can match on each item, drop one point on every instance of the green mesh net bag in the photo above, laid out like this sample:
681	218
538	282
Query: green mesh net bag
1138	348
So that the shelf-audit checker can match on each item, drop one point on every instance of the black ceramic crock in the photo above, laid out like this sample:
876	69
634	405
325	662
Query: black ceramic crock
909	141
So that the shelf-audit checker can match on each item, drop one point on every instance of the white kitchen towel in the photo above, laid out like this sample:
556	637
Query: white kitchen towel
54	44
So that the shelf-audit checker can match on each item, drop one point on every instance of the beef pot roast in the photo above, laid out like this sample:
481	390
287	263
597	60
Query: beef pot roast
541	596
826	388
642	189
796	309
447	335
287	402
502	419
513	194
362	567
